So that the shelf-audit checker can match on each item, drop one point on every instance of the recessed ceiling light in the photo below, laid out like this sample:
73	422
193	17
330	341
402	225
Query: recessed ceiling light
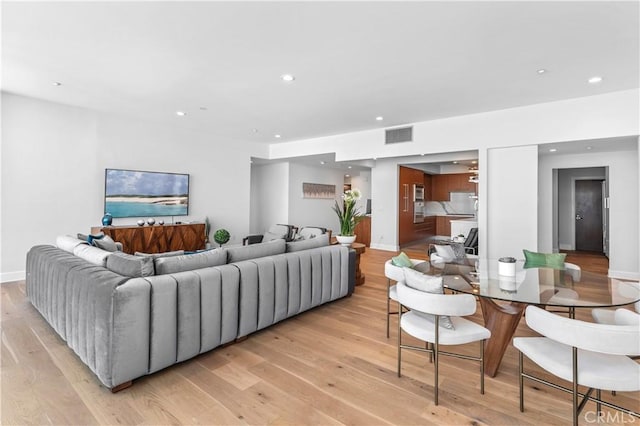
422	155
455	162
349	167
379	118
323	162
287	77
56	83
589	147
541	71
346	175
277	136
375	158
552	150
594	80
474	162
181	113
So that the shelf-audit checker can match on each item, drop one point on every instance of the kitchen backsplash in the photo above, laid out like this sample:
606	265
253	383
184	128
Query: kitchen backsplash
459	203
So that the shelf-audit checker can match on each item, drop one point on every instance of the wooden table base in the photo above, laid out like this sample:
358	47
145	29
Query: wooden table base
502	321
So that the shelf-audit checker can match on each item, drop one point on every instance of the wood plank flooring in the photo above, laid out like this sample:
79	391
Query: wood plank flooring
332	365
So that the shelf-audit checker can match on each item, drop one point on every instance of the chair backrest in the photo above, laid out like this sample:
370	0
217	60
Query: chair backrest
472	238
311	231
437	304
604	338
626	317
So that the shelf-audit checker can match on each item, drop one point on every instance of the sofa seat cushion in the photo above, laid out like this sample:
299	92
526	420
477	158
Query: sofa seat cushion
129	265
189	262
254	251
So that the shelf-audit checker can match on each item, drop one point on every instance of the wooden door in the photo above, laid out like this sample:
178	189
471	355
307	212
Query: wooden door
588	219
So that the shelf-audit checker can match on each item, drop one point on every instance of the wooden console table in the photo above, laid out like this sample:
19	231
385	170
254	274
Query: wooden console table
157	238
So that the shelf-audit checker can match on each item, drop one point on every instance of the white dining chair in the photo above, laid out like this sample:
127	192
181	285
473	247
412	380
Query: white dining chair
394	274
583	353
422	321
629	289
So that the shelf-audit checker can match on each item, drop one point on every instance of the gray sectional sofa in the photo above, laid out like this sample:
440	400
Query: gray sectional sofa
123	327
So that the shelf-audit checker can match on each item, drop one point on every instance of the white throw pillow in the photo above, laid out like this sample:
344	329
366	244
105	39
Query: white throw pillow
92	254
429	284
68	243
445	252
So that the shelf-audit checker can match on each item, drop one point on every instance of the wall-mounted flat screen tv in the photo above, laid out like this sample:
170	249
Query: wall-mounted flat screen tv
132	193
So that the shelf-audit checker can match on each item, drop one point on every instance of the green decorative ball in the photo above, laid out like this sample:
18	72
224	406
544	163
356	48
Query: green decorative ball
221	236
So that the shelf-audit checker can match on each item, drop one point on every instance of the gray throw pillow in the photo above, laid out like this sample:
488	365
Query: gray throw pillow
129	265
189	262
319	241
105	243
253	251
458	251
429	284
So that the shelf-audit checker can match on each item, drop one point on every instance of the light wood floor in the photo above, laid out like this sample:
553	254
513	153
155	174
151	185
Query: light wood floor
332	365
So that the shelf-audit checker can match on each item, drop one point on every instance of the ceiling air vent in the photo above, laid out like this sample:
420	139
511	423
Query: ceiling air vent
397	135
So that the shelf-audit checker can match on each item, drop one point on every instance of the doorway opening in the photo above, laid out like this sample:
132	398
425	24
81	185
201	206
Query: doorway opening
583	210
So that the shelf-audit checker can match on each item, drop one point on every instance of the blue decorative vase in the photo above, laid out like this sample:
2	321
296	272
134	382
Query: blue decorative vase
107	219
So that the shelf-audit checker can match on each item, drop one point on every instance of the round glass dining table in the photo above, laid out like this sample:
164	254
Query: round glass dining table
504	298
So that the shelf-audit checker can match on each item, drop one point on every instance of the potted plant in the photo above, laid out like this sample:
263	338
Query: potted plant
221	236
348	215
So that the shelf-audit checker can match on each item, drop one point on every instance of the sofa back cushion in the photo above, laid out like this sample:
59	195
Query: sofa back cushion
165	254
129	265
189	262
253	251
92	254
318	241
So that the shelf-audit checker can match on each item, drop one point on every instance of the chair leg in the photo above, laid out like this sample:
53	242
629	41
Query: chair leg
521	380
598	405
482	367
436	348
575	386
399	336
388	304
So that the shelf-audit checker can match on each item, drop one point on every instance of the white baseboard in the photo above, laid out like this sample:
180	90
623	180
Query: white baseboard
6	277
624	275
386	247
565	246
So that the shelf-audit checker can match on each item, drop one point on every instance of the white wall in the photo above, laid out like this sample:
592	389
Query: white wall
566	200
512	201
53	161
269	196
602	116
362	181
313	211
623	213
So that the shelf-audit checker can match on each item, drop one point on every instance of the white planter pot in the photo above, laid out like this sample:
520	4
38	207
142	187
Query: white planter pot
346	240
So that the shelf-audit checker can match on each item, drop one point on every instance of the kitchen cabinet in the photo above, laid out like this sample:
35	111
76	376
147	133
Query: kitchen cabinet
363	231
443	185
407	230
443	224
428	191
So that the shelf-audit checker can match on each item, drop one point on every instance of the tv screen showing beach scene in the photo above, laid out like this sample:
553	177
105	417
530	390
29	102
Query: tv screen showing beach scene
131	193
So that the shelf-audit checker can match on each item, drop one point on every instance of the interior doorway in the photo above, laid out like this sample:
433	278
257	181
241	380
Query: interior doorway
582	209
589	215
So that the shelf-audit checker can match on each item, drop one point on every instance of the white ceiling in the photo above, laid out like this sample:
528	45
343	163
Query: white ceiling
353	61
